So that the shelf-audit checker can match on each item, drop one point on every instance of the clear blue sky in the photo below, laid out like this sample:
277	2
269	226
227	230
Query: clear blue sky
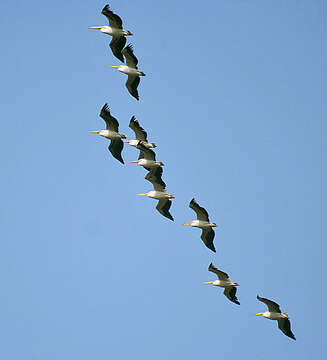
235	98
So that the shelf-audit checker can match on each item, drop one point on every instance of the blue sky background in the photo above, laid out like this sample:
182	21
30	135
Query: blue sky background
235	98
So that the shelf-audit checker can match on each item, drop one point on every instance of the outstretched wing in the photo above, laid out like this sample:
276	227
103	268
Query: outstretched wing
285	326
272	306
140	133
147	154
163	207
201	212
116	45
111	122
154	176
116	147
221	275
114	20
131	59
230	293
132	83
207	237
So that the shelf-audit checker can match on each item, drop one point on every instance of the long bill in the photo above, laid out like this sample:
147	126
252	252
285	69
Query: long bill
143	194
96	27
208	282
95	131
188	223
258	314
114	66
134	161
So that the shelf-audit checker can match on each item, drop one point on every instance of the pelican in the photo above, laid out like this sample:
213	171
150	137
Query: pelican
111	132
147	157
115	29
140	135
203	222
274	313
131	70
159	192
225	282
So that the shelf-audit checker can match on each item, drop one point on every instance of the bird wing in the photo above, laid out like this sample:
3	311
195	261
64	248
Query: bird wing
140	133
285	326
132	83
114	20
154	176
221	275
201	212
207	237
116	147
111	122
131	59
116	45
163	207
147	153
272	306
230	293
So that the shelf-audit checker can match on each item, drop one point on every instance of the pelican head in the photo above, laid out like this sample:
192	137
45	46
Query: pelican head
161	163
285	315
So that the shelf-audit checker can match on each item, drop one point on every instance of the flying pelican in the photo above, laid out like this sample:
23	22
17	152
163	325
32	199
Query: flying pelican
274	313
159	192
225	282
140	134
115	30
111	132
131	70
147	157
203	222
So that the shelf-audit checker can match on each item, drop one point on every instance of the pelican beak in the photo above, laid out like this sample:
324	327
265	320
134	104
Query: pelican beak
258	314
96	27
208	282
95	131
189	223
126	141
114	66
143	194
134	161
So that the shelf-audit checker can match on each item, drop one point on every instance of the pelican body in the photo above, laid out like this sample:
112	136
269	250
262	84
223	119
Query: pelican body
203	222
111	133
225	282
274	313
140	135
147	157
115	29
131	70
135	142
159	192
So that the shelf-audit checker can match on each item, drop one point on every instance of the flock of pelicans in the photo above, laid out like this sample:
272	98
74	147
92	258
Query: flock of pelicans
147	159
